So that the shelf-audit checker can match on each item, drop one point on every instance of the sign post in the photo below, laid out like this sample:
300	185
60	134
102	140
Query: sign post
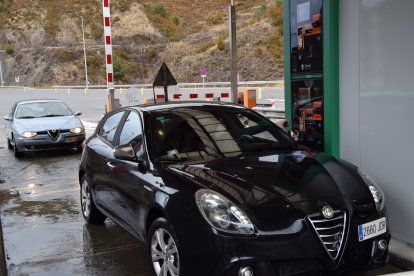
203	74
1	75
233	52
108	54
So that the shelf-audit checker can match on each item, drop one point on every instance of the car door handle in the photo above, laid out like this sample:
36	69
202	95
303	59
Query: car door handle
111	165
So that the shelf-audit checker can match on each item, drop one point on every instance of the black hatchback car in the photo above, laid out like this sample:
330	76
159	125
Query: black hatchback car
217	189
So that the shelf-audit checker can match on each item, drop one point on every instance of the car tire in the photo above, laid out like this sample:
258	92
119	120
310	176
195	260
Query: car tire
88	208
16	152
163	257
9	144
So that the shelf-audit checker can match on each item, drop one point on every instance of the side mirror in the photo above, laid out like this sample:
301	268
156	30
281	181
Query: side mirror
78	113
7	118
127	153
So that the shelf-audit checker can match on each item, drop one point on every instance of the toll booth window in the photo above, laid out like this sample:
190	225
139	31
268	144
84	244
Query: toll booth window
306	36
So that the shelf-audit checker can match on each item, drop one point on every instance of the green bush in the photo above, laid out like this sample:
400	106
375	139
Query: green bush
119	69
159	9
152	54
176	19
2	7
9	49
220	43
64	56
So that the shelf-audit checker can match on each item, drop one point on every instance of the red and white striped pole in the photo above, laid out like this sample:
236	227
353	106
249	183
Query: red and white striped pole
108	54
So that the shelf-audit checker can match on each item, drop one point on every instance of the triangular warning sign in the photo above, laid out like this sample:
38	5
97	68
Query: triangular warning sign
164	77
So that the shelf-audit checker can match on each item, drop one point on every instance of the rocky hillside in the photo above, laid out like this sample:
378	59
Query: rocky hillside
41	40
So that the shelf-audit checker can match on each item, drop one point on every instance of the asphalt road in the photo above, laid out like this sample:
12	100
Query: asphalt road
44	232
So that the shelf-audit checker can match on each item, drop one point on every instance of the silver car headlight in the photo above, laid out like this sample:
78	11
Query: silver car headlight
376	191
222	214
77	130
29	134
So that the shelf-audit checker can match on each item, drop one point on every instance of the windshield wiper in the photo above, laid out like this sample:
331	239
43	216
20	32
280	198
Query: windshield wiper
52	115
26	117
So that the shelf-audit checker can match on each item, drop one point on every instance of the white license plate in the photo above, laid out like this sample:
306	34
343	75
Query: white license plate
70	140
372	229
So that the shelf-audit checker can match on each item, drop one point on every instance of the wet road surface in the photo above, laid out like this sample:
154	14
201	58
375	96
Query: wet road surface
44	231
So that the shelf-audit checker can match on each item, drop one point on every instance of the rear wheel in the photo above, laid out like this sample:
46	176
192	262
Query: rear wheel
16	151
163	249
89	211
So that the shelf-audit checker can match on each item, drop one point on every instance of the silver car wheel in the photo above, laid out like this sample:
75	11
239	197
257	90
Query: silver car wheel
86	199
164	254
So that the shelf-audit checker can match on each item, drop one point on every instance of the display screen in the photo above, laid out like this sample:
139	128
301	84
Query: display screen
306	36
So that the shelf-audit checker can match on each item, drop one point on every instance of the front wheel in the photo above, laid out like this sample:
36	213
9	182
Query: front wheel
89	211
163	249
16	152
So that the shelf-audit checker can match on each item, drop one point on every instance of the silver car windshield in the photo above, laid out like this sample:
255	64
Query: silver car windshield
42	109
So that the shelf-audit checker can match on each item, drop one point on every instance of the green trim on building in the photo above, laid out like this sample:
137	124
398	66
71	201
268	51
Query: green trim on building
331	75
286	42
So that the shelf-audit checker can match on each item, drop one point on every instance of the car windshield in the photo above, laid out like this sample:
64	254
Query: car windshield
42	109
207	133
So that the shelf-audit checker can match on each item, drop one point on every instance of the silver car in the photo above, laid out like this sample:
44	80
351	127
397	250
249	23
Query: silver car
38	125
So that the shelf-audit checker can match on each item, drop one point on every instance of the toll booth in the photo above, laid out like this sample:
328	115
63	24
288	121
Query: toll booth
311	66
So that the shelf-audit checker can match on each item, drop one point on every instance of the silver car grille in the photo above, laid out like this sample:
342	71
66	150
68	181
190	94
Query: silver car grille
331	231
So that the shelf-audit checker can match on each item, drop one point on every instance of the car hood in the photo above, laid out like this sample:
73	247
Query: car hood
269	179
43	124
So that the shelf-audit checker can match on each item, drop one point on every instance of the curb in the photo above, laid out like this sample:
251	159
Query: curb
401	254
3	265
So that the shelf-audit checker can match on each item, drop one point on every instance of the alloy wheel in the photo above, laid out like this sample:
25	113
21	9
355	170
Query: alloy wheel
86	199
164	254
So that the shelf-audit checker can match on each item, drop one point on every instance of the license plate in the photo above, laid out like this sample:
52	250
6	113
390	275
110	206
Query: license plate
70	140
372	229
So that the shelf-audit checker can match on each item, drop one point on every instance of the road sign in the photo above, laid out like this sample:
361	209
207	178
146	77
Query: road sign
17	79
164	78
203	73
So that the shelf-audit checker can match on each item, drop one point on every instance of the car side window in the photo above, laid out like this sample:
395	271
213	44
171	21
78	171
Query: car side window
12	110
108	129
131	133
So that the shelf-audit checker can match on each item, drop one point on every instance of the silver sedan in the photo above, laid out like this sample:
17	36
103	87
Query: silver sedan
39	125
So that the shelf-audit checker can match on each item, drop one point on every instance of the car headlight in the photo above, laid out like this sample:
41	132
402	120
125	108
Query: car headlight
222	214
76	130
29	134
376	191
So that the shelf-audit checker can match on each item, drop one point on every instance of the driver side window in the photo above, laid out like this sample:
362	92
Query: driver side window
131	133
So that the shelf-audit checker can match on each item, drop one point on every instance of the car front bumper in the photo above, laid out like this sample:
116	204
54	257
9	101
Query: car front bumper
268	254
44	142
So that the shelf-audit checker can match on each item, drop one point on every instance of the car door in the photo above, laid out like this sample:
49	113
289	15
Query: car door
100	150
129	184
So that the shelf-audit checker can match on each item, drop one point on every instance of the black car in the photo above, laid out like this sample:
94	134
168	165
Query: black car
217	189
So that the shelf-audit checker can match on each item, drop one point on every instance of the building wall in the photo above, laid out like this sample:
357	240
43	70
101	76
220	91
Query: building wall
377	100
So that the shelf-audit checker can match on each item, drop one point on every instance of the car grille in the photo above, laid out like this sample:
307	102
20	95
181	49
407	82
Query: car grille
330	231
54	133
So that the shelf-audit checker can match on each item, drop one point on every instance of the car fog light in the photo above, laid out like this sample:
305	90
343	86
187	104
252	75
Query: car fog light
382	245
246	271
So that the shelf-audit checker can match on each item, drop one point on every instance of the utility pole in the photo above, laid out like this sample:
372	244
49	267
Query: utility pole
84	55
1	75
233	52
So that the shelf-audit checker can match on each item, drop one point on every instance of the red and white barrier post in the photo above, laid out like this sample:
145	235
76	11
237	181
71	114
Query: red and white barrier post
108	54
